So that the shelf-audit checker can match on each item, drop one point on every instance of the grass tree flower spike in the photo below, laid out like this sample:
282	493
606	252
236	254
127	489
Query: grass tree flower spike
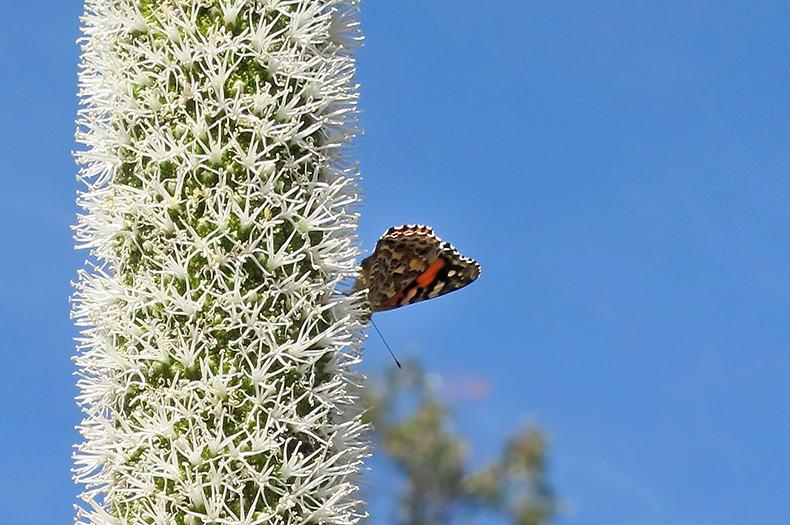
213	361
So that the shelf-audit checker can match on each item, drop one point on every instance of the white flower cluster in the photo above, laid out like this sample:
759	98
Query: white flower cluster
214	354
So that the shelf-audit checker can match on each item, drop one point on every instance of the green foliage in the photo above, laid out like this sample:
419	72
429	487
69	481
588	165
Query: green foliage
439	488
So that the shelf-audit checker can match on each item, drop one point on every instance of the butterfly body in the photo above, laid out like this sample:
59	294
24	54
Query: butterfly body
411	264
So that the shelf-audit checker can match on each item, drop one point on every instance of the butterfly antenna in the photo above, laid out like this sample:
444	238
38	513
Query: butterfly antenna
385	344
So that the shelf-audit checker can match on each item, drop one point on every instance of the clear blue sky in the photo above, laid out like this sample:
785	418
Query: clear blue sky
619	170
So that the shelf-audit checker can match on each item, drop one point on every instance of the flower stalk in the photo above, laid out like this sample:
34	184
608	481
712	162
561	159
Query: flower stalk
214	355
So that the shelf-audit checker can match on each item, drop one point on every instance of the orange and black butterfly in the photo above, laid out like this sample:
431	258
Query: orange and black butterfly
411	264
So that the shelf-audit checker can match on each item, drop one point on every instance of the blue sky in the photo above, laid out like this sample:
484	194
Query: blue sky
619	170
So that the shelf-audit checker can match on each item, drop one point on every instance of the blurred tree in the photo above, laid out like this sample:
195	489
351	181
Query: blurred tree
411	428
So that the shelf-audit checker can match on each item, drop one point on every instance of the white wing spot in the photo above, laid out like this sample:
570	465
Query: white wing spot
437	288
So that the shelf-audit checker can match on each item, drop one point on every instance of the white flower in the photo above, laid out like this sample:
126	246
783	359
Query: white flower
213	362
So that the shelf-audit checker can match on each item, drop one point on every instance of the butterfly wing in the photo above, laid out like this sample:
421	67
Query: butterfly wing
411	264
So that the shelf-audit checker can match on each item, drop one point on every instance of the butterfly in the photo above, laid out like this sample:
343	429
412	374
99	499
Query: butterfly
411	264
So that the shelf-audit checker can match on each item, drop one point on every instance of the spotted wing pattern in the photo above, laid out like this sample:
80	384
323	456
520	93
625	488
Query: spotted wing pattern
411	264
